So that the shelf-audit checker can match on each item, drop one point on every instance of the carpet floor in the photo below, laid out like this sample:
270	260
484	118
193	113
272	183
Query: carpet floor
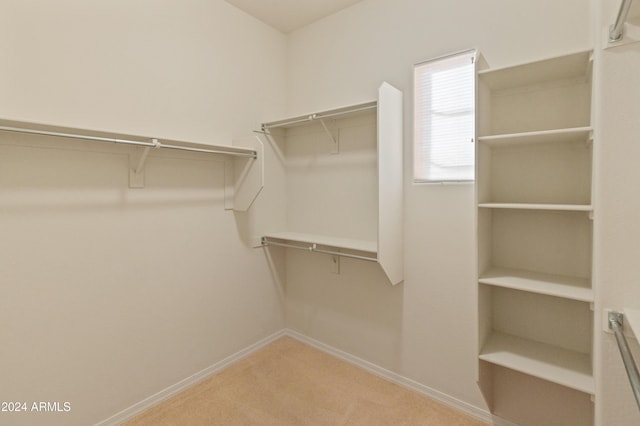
290	383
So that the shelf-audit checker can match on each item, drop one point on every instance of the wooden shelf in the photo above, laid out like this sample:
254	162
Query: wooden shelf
538	206
554	364
574	288
324	240
544	136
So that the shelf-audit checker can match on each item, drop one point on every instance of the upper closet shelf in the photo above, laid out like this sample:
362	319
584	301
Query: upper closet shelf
245	170
100	136
344	112
569	67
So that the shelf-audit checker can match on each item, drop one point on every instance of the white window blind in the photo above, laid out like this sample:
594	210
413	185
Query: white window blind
444	119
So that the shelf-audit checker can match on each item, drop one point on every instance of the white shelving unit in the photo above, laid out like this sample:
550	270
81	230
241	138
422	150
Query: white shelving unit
535	230
343	178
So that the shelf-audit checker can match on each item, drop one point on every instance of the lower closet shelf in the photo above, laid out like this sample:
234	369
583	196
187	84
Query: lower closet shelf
552	363
345	247
323	240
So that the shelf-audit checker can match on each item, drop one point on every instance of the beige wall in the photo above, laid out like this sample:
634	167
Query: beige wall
424	329
107	294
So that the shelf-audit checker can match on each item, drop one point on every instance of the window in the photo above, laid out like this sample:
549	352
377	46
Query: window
444	119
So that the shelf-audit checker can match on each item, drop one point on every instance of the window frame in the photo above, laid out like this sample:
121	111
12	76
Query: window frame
473	53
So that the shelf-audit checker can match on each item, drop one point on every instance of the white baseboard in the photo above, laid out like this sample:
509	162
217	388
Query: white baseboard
395	378
176	388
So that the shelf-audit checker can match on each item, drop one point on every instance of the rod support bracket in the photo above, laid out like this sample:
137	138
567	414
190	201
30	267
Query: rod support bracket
615	318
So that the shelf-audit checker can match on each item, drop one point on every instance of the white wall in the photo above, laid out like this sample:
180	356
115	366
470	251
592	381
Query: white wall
425	328
617	208
108	294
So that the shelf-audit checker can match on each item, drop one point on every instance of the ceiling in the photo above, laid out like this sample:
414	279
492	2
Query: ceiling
289	15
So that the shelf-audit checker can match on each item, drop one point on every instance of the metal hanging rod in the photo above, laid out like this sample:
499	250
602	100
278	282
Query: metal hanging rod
313	248
615	31
154	143
615	324
209	151
74	136
318	116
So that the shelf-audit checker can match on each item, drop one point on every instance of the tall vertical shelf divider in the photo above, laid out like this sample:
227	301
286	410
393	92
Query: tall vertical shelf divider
344	182
535	227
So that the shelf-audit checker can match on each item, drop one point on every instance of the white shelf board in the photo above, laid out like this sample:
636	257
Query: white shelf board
632	317
324	240
543	136
538	206
112	137
554	364
562	68
342	112
574	288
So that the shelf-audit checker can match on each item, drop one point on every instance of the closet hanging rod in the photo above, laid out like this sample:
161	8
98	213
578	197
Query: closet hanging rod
74	136
615	324
317	116
312	248
153	144
615	31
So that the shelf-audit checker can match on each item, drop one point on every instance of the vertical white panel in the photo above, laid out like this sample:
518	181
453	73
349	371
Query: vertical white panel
390	188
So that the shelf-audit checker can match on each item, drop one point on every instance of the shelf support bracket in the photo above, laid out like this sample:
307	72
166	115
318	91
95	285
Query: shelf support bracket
335	262
136	173
333	138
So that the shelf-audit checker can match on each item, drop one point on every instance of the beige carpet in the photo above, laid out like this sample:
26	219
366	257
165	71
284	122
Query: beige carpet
290	383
